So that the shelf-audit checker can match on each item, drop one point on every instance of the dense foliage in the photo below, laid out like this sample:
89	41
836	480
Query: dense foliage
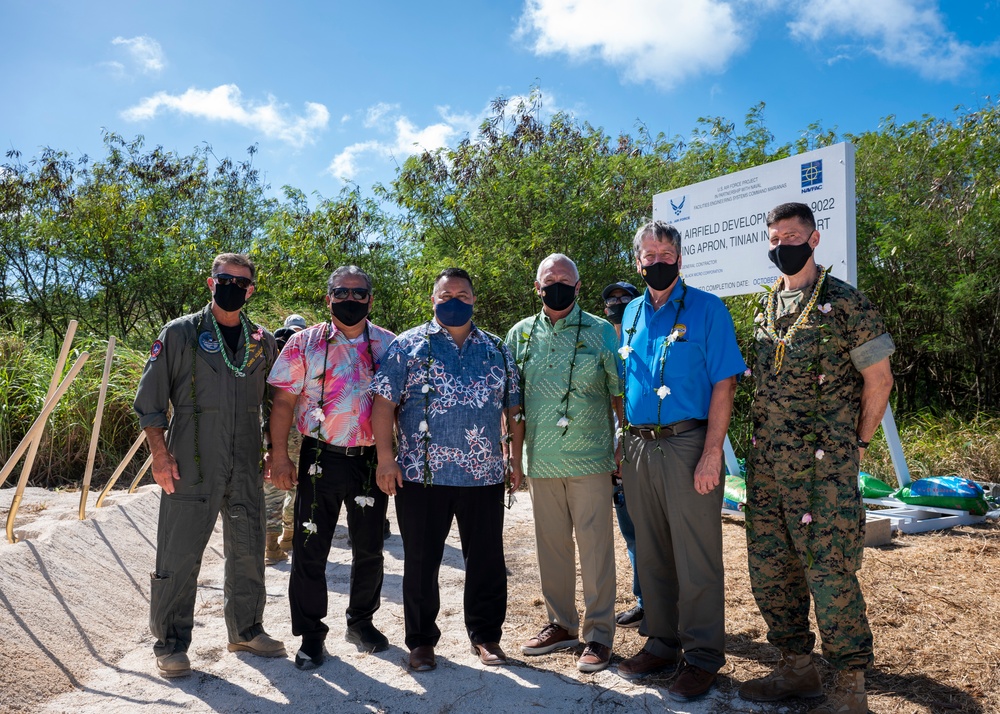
123	243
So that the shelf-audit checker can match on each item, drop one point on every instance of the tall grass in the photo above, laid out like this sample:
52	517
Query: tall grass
25	370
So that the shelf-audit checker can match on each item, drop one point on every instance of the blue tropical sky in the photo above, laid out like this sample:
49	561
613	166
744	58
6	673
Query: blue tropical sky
334	92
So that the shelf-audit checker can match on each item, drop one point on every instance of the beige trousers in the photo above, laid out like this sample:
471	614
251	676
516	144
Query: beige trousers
580	505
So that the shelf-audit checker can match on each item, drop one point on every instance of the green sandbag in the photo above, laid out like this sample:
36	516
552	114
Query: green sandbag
734	493
872	487
976	506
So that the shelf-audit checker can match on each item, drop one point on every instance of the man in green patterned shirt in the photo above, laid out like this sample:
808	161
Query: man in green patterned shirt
568	366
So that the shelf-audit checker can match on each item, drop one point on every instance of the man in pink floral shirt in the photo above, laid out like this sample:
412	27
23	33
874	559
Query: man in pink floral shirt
322	380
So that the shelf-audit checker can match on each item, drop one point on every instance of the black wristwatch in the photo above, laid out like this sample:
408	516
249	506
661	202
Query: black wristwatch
862	444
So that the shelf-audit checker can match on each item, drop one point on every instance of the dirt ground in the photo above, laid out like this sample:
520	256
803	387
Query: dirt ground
75	596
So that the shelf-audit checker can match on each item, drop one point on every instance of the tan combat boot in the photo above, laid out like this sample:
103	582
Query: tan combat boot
285	543
795	676
847	696
272	553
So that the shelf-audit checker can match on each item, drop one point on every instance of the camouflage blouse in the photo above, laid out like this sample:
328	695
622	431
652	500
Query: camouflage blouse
813	402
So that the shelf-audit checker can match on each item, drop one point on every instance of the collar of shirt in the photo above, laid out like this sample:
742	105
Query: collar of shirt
675	296
571	320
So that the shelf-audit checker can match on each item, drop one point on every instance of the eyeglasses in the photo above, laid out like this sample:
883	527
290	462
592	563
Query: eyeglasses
359	294
237	280
620	300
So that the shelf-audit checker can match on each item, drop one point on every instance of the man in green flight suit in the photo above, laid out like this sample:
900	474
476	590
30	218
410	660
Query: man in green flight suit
822	384
211	366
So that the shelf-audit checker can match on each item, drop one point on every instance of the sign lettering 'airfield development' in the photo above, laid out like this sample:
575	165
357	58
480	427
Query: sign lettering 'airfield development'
721	220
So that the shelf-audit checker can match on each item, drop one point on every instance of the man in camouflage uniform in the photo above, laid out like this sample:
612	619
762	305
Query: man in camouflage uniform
822	385
279	505
211	367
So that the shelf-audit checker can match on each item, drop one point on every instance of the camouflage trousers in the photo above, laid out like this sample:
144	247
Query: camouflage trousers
790	560
279	506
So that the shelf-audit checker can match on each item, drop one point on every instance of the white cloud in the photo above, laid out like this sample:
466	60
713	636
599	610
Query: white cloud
662	41
907	33
144	51
375	114
403	138
225	103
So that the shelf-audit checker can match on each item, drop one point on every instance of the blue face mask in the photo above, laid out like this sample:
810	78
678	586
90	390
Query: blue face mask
453	313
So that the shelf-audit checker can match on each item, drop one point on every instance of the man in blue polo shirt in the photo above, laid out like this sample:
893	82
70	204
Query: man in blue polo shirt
680	361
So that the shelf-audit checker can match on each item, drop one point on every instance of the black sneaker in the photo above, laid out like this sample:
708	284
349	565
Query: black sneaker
366	638
310	654
630	618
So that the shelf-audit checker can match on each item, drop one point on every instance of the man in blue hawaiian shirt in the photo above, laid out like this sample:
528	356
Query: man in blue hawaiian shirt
453	390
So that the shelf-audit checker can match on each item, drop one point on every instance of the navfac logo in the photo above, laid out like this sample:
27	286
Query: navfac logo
812	176
678	207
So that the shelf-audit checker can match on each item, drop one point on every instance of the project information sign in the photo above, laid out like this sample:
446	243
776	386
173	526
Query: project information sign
721	221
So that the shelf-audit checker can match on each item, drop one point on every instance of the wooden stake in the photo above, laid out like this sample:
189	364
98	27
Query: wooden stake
60	365
121	467
96	431
142	471
33	433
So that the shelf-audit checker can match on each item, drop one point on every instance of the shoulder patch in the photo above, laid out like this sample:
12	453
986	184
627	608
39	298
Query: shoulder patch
207	341
155	350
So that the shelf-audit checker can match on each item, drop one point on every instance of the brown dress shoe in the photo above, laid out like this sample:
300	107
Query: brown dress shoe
489	653
644	664
422	658
691	683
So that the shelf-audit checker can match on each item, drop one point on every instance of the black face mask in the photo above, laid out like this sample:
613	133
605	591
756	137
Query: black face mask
558	296
615	313
790	259
660	276
229	298
349	312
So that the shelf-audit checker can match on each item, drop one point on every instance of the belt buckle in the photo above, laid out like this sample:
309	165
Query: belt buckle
647	434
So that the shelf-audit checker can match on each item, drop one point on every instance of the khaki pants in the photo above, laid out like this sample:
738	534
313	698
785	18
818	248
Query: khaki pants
580	505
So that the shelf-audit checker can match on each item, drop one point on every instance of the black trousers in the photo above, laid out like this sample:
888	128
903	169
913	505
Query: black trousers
343	479
425	514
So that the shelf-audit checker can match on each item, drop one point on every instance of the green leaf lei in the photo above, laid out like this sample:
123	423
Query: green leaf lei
241	371
572	364
668	343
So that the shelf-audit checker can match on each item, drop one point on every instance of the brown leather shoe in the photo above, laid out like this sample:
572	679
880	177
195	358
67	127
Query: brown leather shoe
644	664
422	659
595	657
489	653
551	638
691	683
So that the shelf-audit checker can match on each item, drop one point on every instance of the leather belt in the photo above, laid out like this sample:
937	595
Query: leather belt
346	450
652	433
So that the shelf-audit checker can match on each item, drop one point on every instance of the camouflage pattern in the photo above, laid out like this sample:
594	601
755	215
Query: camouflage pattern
280	505
805	461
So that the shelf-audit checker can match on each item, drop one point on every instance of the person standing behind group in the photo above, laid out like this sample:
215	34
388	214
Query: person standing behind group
455	386
569	373
322	382
211	367
279	504
822	385
680	360
616	296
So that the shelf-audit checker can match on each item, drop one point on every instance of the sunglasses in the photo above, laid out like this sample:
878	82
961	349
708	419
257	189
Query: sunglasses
360	294
237	280
620	300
